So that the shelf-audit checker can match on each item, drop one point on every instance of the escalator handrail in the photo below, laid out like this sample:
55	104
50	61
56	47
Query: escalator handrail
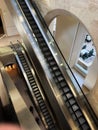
45	26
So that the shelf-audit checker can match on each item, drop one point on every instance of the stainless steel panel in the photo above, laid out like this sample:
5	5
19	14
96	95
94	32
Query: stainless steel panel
25	117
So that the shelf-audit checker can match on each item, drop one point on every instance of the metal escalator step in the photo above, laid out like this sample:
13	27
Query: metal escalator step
25	64
28	15
48	120
73	116
33	26
62	84
85	127
38	97
22	60
64	98
66	90
52	63
43	107
41	104
75	107
36	89
50	58
57	73
72	101
21	1
70	110
38	35
33	84
29	18
45	113
36	31
69	95
31	81
60	78
67	104
26	10
37	93
78	113
40	101
30	75
30	78
54	68
81	120
44	49
48	116
55	79
47	54
21	56
24	6
49	123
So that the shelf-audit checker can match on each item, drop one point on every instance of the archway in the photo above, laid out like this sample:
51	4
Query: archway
1	25
70	34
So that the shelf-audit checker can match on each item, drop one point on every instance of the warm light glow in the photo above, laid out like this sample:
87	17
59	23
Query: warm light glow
14	66
9	67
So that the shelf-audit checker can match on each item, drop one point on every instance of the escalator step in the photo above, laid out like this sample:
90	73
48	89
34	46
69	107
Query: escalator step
64	98
30	75
63	84
85	127
50	58
72	101
52	63
75	107
33	84
45	113
81	120
69	95
78	113
29	18
38	35
66	90
54	68
58	73
42	104
73	116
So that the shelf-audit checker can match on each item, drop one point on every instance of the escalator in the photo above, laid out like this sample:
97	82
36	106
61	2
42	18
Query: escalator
55	66
34	87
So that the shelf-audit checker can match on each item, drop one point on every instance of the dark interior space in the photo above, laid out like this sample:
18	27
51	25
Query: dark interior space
1	27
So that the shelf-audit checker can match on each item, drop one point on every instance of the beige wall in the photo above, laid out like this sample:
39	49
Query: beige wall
85	10
9	27
65	34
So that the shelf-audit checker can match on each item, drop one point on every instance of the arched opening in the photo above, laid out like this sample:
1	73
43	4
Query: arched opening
70	35
1	27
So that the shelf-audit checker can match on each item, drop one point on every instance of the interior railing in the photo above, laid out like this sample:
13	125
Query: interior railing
68	69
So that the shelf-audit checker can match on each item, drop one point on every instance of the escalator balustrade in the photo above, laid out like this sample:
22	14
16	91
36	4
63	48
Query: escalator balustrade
67	95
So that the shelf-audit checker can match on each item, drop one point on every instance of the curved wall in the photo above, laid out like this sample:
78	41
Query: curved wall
87	12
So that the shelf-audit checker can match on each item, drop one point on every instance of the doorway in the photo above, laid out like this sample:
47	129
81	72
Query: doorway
1	28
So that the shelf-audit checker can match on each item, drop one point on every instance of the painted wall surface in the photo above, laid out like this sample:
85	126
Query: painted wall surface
65	34
87	12
9	27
